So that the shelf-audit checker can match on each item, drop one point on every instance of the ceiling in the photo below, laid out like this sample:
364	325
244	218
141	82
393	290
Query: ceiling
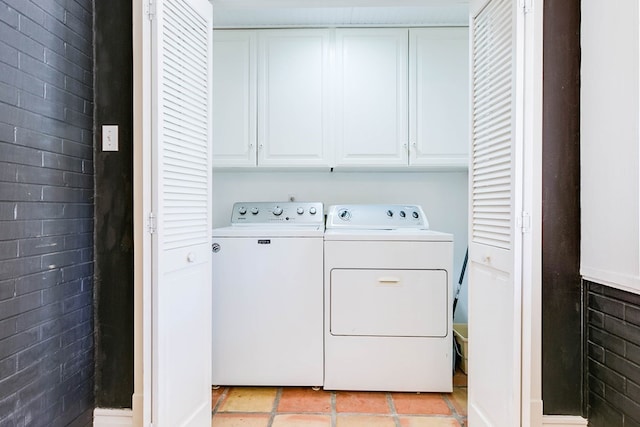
323	13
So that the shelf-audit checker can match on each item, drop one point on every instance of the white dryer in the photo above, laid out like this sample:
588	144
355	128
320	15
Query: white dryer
267	295
388	300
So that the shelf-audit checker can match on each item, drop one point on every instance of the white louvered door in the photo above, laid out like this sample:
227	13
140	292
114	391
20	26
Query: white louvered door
181	199
495	248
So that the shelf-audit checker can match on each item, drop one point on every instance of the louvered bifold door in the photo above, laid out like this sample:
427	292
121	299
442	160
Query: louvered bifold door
181	123
492	127
495	244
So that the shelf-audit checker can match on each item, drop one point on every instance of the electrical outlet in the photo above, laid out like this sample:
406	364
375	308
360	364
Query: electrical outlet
109	137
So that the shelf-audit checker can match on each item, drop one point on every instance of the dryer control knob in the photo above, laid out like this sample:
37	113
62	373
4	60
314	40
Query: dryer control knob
415	214
255	211
312	210
403	214
389	212
277	211
242	210
300	211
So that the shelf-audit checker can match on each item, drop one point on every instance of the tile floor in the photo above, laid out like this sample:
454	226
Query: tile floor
304	407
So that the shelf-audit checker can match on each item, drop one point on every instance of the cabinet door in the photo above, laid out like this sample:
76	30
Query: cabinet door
234	98
371	98
293	79
439	97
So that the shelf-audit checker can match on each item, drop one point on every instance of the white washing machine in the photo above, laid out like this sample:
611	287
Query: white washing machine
268	296
388	300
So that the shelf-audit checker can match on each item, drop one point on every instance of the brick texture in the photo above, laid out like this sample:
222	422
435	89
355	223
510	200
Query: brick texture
46	213
613	357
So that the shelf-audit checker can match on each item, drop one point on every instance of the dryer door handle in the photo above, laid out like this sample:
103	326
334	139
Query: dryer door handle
388	280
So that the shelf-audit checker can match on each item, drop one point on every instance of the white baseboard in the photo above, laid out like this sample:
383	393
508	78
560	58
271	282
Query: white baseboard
104	417
137	406
562	421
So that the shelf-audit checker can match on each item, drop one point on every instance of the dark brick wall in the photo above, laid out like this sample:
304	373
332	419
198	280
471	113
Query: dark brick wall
46	212
613	357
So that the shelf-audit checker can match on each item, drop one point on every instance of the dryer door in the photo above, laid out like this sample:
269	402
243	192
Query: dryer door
386	302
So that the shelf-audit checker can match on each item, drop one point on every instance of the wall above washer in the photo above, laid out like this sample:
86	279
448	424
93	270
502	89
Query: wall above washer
315	13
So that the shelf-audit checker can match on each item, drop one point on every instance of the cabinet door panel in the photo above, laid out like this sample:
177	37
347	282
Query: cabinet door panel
234	98
293	88
371	109
439	97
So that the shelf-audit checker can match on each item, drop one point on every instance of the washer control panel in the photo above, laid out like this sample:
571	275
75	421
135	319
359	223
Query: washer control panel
377	217
291	213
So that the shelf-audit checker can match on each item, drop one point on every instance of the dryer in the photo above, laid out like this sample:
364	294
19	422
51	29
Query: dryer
388	300
268	295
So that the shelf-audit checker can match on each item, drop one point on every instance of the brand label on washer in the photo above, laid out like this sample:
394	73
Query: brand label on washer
264	241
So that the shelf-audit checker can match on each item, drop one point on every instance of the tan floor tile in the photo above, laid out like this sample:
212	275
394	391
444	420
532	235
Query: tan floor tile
459	400
249	399
216	394
301	420
423	403
240	420
304	399
428	422
364	421
362	402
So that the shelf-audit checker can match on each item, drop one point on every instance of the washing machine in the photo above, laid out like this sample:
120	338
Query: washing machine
388	300
267	291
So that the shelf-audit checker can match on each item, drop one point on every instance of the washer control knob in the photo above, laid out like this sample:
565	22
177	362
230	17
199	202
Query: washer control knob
415	215
312	210
277	211
300	211
403	214
255	211
390	213
344	214
242	210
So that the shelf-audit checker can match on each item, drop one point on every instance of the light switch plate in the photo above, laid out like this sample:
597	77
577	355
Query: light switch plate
109	137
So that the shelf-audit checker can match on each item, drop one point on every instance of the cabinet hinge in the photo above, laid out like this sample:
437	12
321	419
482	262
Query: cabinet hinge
151	223
524	222
526	5
150	9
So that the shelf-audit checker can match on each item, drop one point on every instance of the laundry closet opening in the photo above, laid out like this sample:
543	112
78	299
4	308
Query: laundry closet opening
352	106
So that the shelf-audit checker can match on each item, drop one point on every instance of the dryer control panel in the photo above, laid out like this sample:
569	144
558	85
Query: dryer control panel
285	213
377	217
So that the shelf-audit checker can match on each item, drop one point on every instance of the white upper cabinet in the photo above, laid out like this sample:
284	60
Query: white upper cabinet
293	89
371	97
234	95
347	97
439	97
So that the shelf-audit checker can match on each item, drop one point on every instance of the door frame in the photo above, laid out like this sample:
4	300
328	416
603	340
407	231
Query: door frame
531	393
142	195
531	351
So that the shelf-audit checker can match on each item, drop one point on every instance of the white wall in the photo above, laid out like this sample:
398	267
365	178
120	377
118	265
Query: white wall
609	143
442	195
